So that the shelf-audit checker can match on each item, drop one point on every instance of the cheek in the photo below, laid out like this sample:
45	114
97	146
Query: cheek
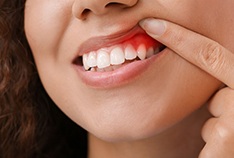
45	24
148	106
214	19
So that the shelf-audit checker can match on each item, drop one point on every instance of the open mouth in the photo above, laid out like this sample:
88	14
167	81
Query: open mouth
110	61
106	59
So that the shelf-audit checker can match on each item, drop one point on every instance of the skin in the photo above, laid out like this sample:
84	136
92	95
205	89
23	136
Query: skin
168	104
218	130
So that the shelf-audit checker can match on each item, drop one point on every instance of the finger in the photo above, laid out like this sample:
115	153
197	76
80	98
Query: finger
208	129
222	102
220	142
211	151
217	149
207	152
197	49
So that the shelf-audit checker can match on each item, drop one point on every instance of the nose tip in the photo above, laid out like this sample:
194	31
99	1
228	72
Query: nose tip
81	8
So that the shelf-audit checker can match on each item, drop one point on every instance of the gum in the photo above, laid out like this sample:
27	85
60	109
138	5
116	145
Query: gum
139	39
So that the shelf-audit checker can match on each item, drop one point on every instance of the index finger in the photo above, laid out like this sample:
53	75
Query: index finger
197	49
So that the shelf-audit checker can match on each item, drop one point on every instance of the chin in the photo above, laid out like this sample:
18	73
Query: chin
136	119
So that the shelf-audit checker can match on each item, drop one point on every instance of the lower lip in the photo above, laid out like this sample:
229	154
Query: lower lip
118	77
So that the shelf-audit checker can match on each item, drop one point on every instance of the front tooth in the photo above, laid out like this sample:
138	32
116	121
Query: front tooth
92	59
150	52
130	52
103	59
141	52
85	59
117	56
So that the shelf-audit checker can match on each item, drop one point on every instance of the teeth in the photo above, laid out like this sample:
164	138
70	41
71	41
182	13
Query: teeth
114	67
108	69
100	70
103	59
85	61
157	50
117	56
93	69
109	59
141	52
150	52
130	52
92	59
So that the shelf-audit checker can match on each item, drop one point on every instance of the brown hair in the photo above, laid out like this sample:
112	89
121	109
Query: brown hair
30	124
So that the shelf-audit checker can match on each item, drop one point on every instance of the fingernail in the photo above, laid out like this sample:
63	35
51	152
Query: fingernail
153	26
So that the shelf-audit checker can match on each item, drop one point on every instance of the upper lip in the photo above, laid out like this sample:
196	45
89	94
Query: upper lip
96	43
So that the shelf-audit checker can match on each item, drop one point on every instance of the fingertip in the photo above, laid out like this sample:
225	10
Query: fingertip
154	27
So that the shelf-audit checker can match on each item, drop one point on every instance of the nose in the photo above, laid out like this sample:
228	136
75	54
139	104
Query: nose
81	8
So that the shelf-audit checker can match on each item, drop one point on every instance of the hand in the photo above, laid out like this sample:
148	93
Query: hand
218	132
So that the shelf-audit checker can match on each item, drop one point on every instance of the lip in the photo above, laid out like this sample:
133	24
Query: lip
96	43
126	73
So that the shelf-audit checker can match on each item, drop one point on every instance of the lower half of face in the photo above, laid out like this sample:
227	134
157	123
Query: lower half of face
166	92
136	99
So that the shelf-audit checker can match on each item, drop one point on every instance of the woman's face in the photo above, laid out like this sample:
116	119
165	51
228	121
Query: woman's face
140	98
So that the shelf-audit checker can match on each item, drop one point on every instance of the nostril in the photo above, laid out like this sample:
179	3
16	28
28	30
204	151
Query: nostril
113	4
122	3
85	12
82	9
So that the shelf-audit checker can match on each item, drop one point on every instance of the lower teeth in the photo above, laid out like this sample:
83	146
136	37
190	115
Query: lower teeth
110	68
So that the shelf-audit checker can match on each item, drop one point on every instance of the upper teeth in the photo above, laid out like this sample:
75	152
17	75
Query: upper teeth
103	58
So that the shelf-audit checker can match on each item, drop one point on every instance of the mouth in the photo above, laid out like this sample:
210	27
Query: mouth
113	60
112	53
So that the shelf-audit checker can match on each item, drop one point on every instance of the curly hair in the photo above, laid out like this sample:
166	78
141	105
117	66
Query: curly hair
31	125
